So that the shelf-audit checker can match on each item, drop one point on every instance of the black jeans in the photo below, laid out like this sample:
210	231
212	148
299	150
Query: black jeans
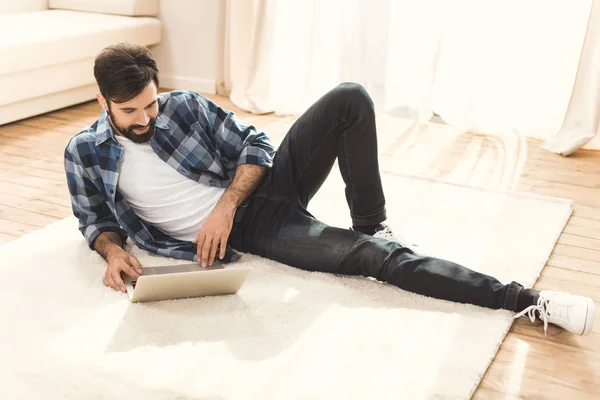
274	222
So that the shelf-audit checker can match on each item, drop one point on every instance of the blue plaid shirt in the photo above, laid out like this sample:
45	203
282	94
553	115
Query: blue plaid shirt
193	135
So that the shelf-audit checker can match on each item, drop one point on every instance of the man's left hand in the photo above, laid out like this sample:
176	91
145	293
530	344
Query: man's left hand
214	235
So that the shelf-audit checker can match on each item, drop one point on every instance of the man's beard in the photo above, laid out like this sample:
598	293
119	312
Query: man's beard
130	134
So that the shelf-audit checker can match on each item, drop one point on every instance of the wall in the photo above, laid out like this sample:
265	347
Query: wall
190	55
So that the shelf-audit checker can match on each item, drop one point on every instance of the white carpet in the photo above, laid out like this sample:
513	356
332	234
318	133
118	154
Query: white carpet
288	334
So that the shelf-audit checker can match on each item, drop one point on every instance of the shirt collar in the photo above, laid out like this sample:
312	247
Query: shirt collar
104	129
162	121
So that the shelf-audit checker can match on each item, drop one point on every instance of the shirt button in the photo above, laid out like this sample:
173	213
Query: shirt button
111	191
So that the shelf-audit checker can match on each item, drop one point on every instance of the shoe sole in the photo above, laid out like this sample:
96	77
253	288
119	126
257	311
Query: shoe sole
589	318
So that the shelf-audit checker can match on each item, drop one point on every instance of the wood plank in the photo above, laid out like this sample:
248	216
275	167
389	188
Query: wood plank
570	378
9	156
454	150
543	169
91	104
50	179
584	222
55	164
28	145
449	159
42	183
579	241
23	131
15	228
543	158
5	238
75	115
581	231
54	144
570	178
51	123
461	170
574	370
584	196
26	170
544	283
50	155
49	196
41	168
576	252
13	214
51	144
575	264
584	158
591	212
38	206
567	275
489	394
523	329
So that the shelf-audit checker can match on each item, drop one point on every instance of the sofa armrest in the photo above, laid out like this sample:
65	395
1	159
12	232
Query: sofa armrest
134	8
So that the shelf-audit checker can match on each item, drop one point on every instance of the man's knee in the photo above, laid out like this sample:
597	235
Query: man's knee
354	93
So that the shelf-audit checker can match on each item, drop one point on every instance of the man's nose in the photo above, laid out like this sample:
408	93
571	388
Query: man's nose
143	120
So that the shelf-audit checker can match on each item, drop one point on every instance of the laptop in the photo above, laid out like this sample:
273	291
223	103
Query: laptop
183	281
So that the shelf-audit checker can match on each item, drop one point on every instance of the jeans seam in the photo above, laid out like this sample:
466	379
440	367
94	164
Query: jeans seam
317	150
348	167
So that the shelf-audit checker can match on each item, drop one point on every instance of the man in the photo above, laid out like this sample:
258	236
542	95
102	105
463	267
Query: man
184	178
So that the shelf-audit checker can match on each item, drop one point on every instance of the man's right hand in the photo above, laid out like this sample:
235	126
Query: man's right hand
121	261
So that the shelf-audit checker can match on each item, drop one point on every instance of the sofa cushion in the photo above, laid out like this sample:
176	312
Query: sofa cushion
17	6
24	85
43	38
121	7
39	105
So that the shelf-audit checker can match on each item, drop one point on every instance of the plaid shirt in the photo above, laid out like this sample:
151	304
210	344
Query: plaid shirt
193	135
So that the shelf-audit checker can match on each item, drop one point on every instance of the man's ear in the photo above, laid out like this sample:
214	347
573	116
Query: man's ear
102	101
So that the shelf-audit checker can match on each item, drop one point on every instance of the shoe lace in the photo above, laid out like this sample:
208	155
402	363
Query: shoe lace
545	309
386	232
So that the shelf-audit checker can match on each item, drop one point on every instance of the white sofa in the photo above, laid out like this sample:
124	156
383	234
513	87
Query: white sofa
47	49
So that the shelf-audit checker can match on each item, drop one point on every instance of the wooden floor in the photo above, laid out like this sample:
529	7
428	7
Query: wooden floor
33	194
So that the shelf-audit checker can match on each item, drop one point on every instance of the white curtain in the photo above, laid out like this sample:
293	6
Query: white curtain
582	121
481	65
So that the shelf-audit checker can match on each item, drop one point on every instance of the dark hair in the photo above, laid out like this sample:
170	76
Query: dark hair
123	71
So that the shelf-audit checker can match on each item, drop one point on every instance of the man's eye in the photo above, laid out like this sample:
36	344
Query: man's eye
128	111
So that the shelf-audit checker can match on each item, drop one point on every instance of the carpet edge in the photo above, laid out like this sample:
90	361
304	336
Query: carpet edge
567	215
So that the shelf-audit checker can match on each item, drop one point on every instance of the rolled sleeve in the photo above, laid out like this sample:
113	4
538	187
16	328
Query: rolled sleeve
257	151
92	231
235	139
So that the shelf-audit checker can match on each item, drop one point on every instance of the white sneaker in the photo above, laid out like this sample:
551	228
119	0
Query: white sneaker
572	313
387	233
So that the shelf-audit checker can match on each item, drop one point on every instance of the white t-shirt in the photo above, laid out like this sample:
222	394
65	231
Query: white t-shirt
160	195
